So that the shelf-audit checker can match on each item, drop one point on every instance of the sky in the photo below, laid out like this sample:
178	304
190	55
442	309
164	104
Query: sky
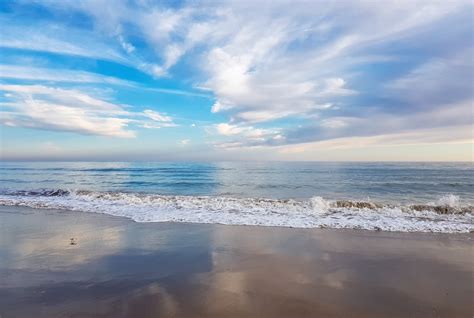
236	80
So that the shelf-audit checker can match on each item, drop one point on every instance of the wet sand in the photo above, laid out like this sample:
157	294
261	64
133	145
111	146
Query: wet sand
118	268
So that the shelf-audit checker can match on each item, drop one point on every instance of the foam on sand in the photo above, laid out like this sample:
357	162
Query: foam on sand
447	215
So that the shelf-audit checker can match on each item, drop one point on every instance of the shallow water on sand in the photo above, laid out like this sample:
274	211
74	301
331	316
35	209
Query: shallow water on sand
118	268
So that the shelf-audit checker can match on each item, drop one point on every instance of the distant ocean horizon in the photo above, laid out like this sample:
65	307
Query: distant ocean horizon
392	196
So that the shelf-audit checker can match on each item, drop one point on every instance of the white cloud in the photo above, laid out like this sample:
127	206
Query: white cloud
156	116
55	39
177	92
71	110
243	135
247	131
42	74
257	73
261	64
155	125
432	136
57	75
42	107
379	123
129	48
437	81
71	97
41	115
333	123
267	62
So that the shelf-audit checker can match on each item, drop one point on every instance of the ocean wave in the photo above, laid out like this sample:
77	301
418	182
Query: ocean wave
446	216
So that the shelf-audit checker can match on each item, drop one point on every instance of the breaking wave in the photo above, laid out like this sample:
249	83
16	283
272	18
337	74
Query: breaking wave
447	215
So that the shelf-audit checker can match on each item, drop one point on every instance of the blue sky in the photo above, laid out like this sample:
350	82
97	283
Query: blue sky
236	80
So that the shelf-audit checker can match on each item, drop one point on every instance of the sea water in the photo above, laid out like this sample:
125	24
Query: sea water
427	197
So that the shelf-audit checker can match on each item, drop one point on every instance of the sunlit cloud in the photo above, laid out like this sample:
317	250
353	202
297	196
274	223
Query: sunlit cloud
53	39
71	110
19	72
266	76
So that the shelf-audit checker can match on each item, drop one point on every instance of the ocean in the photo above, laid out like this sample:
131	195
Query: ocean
409	197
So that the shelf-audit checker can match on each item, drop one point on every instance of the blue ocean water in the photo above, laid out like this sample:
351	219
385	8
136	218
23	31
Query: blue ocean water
298	194
383	182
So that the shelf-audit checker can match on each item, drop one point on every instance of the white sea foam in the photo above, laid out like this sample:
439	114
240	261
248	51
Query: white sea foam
450	200
314	213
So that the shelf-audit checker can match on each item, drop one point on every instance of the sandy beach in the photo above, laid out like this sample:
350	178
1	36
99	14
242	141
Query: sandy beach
70	264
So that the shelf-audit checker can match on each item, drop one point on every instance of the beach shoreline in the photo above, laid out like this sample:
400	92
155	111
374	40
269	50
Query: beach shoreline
78	264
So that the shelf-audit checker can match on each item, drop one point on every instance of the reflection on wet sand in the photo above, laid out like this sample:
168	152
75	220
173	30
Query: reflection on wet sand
124	269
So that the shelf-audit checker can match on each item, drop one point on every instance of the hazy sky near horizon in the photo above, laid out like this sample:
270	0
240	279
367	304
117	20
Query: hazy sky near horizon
236	80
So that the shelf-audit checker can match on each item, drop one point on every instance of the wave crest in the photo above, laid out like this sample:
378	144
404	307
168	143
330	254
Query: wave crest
445	216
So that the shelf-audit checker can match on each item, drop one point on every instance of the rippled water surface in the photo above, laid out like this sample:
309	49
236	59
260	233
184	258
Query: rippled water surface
429	197
383	182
